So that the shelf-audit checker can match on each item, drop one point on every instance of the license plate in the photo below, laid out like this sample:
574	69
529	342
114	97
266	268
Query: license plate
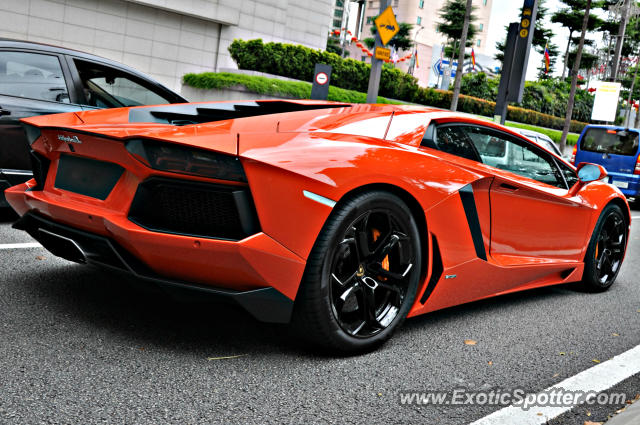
621	185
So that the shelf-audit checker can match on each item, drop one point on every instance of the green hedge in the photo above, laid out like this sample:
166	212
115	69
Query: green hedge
298	62
272	86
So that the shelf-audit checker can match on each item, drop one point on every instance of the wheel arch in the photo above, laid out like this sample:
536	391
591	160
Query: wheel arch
623	206
416	211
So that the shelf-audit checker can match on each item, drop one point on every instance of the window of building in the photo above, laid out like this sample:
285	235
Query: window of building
478	43
337	23
369	20
338	13
481	27
421	4
419	20
484	2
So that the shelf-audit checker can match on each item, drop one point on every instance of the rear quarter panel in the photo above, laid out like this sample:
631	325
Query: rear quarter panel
332	165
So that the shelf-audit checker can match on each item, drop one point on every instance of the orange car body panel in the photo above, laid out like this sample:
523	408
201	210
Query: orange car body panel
533	236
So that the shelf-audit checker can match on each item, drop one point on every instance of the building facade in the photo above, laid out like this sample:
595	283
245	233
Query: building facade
165	38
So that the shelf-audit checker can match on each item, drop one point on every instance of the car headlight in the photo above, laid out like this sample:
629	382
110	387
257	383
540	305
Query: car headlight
185	160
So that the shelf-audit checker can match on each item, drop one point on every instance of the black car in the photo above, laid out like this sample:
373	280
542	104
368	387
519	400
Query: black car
38	79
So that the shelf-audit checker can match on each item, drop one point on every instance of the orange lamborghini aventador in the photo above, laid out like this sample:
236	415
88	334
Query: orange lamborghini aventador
341	219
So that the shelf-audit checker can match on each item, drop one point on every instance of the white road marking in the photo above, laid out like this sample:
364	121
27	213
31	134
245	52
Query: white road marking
598	378
20	245
635	217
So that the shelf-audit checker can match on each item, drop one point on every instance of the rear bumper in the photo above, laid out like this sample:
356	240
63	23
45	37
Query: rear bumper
265	304
257	272
10	178
631	180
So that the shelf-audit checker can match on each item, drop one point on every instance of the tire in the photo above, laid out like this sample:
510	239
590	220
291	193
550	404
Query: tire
606	250
352	297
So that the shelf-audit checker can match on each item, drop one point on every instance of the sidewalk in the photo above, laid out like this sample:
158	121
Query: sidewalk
630	416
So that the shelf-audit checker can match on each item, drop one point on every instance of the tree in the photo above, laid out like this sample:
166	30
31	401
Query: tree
588	60
459	70
571	17
630	83
574	75
401	41
452	19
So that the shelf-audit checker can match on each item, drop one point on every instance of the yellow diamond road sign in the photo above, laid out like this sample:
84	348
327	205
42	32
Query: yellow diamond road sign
387	25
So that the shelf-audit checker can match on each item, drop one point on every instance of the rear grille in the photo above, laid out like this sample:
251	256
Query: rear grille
40	165
195	209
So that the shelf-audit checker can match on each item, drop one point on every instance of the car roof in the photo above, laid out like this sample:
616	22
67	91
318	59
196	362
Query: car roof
526	132
42	47
612	127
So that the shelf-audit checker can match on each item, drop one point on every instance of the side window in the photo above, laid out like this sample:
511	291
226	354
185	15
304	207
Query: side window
32	75
106	87
454	140
510	154
569	174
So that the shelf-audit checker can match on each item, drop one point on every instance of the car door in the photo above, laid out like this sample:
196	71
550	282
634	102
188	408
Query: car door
31	83
106	86
533	215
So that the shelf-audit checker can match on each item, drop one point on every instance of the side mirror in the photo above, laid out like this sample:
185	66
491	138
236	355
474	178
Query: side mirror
588	172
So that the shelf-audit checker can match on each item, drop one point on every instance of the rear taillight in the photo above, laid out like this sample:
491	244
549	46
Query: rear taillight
185	160
637	170
573	155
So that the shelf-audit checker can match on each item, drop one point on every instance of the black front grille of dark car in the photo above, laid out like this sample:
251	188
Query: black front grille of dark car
196	209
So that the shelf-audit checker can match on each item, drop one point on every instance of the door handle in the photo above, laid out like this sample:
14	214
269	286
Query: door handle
508	187
4	112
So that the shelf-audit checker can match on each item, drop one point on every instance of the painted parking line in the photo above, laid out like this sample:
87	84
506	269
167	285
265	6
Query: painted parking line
20	245
596	379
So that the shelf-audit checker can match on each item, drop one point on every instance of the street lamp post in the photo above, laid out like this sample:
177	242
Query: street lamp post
415	47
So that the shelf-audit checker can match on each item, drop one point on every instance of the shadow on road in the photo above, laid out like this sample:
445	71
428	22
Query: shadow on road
7	215
143	314
186	321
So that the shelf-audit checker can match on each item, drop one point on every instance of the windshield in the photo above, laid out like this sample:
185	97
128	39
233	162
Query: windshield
603	140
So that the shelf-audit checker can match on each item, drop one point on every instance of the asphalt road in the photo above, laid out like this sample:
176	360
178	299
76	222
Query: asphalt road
81	345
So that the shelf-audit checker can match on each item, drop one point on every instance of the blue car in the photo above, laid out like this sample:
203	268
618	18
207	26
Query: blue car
616	149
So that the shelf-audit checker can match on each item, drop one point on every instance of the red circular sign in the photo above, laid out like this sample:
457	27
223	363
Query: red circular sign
322	78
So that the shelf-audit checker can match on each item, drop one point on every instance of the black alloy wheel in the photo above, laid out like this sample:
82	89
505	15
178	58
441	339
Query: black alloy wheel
606	250
370	273
362	274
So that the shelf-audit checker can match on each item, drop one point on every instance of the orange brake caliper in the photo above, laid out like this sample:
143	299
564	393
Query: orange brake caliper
385	262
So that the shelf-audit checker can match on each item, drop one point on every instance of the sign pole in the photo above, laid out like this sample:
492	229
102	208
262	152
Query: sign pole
321	78
500	113
516	57
376	64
